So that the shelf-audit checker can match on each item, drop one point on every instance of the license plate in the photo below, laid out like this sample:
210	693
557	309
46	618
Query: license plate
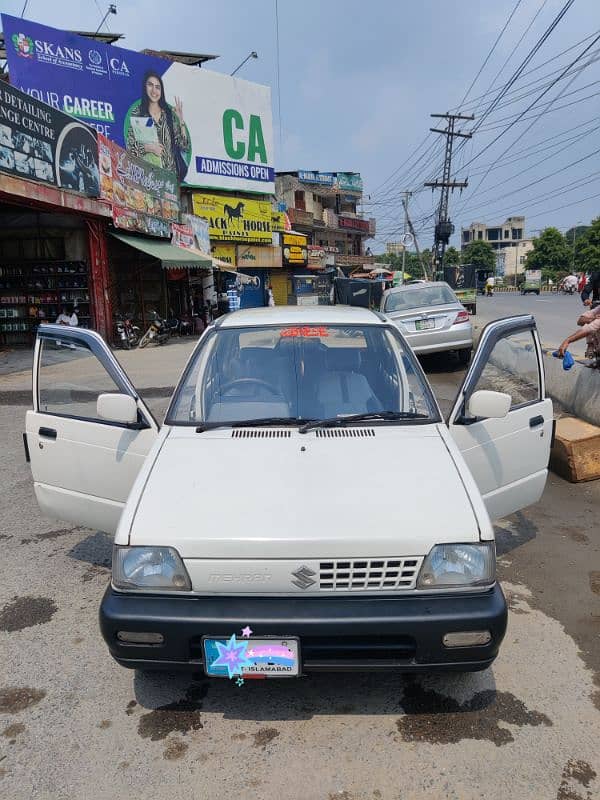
269	657
424	324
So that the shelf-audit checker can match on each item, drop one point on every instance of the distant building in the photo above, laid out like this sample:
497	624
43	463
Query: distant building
394	248
508	240
323	205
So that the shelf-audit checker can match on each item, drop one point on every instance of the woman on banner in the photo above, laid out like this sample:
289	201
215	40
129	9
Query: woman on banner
157	131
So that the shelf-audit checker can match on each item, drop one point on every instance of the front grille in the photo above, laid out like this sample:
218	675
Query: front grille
321	650
339	433
360	575
252	433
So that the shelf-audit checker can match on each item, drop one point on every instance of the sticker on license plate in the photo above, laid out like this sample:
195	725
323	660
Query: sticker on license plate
424	324
261	658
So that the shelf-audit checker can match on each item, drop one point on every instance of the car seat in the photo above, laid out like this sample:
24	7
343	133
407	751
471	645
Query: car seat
343	389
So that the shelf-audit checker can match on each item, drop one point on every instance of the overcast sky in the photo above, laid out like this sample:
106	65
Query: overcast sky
359	80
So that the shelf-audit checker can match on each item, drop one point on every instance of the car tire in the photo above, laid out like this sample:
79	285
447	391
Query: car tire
464	356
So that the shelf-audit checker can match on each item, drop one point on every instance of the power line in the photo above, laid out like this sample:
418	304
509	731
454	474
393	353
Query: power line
531	105
489	55
565	189
539	66
549	110
517	73
515	48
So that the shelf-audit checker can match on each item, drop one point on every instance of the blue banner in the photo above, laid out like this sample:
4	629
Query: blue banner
212	130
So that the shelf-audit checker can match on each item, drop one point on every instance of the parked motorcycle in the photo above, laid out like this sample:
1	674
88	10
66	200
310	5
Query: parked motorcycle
158	332
128	334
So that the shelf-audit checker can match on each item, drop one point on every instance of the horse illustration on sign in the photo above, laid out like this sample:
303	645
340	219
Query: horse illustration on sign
234	212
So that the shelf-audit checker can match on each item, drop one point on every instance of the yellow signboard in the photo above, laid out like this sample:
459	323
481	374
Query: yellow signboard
224	252
295	251
231	219
278	221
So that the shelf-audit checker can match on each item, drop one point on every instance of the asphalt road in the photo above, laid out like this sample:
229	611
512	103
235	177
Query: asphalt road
555	314
73	724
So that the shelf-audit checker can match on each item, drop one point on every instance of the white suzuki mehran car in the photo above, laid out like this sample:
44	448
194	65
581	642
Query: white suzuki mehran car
303	486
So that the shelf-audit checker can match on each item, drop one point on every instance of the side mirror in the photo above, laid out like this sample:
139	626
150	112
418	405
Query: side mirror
117	408
484	403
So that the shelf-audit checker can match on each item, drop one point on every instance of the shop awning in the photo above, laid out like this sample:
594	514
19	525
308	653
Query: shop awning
171	257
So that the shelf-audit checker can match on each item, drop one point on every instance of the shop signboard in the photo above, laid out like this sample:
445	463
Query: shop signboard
280	222
353	223
320	178
252	256
144	198
224	252
294	250
200	228
349	181
235	219
214	130
41	144
182	236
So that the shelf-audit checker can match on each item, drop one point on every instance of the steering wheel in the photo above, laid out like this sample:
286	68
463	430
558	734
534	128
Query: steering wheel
250	381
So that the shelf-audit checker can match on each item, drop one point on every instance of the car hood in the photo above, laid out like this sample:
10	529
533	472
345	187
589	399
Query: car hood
266	493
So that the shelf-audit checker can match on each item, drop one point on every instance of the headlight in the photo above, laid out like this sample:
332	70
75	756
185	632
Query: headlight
149	569
450	565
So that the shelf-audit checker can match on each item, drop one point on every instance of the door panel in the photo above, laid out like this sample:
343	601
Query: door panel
83	467
508	457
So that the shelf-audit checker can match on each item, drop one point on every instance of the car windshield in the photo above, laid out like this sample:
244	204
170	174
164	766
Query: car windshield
419	297
296	374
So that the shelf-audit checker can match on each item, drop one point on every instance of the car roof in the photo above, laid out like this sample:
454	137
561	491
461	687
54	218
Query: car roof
413	286
300	315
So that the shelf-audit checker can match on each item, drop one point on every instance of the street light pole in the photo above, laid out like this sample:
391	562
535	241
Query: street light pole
112	9
253	54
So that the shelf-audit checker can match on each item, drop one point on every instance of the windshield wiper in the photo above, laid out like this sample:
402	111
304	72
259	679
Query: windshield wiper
249	423
333	422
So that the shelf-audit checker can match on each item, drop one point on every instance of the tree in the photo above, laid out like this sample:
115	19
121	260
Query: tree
550	251
452	257
480	254
587	248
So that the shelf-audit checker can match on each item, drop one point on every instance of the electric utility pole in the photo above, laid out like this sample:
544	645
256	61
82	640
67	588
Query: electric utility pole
416	242
443	226
407	195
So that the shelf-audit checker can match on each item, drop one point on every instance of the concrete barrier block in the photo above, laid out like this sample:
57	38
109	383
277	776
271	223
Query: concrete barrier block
575	453
577	389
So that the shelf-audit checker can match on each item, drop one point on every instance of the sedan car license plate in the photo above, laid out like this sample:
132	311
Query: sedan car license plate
268	657
424	324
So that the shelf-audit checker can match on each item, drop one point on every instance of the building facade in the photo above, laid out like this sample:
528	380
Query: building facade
323	205
507	239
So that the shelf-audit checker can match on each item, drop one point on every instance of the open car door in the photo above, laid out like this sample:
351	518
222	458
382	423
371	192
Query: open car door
507	449
83	465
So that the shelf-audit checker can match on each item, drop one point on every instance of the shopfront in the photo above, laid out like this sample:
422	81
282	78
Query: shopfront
52	227
152	275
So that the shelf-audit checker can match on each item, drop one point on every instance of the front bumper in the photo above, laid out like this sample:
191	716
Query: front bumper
336	633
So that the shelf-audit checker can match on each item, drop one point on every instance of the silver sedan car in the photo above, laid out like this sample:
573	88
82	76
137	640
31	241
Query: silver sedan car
431	318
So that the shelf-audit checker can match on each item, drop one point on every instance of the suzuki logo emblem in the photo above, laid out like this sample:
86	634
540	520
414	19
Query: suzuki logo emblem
304	577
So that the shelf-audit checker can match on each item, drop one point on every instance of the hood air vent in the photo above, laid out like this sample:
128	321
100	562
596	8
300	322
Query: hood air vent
258	433
344	433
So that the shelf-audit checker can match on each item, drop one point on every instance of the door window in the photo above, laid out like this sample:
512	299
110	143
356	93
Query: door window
512	367
70	378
